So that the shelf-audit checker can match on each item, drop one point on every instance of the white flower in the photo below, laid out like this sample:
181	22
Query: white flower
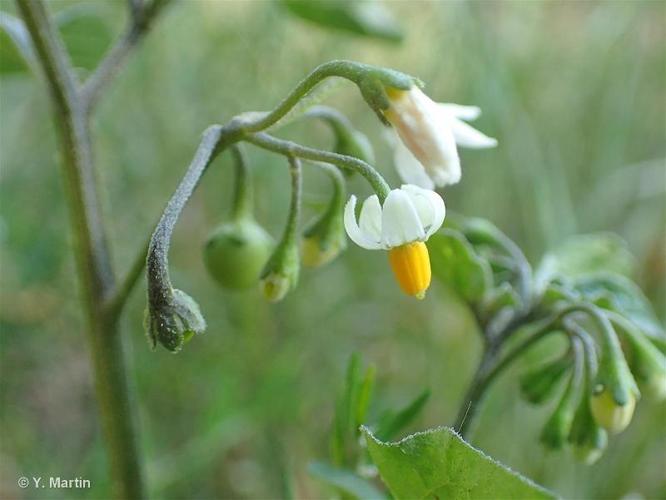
409	216
427	155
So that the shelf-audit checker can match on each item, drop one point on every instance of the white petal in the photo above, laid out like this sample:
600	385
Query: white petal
469	113
429	206
400	221
425	129
354	232
468	137
409	168
370	220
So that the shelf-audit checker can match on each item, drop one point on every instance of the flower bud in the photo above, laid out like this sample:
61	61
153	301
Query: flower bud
611	412
557	427
174	322
614	389
588	439
591	450
537	385
647	363
281	272
325	238
236	252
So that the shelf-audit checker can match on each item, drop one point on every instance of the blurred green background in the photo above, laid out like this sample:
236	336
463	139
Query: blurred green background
575	94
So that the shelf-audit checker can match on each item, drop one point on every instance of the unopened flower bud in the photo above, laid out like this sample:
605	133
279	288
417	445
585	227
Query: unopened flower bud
325	238
281	272
588	439
174	322
614	391
611	412
537	385
590	451
236	252
647	362
558	426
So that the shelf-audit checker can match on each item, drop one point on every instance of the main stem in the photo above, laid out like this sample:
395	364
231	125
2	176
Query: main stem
92	255
475	393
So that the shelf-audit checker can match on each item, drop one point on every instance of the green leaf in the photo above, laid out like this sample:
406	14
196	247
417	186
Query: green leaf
85	34
368	18
617	293
351	409
391	423
16	51
455	263
364	395
346	480
585	254
438	464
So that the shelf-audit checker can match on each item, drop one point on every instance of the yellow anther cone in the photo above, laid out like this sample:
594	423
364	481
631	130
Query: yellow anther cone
411	266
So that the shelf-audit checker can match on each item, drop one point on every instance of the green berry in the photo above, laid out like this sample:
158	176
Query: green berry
236	252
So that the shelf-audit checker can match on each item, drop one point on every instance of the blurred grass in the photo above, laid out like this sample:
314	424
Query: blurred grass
573	91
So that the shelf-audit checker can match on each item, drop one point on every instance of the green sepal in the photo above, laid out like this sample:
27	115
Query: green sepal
586	436
647	362
281	272
540	383
175	322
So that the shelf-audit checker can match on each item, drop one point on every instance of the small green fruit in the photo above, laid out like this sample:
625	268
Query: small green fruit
236	252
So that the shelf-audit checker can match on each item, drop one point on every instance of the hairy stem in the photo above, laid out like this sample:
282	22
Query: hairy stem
242	201
142	15
91	250
492	364
160	290
288	148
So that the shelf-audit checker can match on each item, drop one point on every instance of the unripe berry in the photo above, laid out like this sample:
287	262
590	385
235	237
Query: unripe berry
236	252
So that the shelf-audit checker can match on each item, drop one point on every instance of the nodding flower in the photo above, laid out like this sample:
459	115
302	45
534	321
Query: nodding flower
408	217
426	154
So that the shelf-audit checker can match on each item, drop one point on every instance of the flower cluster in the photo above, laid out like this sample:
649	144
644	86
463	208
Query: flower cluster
425	156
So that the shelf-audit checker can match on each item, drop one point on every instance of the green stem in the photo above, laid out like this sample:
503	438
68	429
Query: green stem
291	229
349	70
142	16
288	148
491	366
116	302
242	200
215	139
92	255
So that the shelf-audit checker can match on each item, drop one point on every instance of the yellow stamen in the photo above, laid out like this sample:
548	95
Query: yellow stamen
395	94
411	266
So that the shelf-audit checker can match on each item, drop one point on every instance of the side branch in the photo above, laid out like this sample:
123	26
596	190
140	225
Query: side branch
142	17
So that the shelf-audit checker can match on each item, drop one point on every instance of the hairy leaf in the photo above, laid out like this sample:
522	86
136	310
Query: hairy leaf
585	254
620	294
438	464
367	18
